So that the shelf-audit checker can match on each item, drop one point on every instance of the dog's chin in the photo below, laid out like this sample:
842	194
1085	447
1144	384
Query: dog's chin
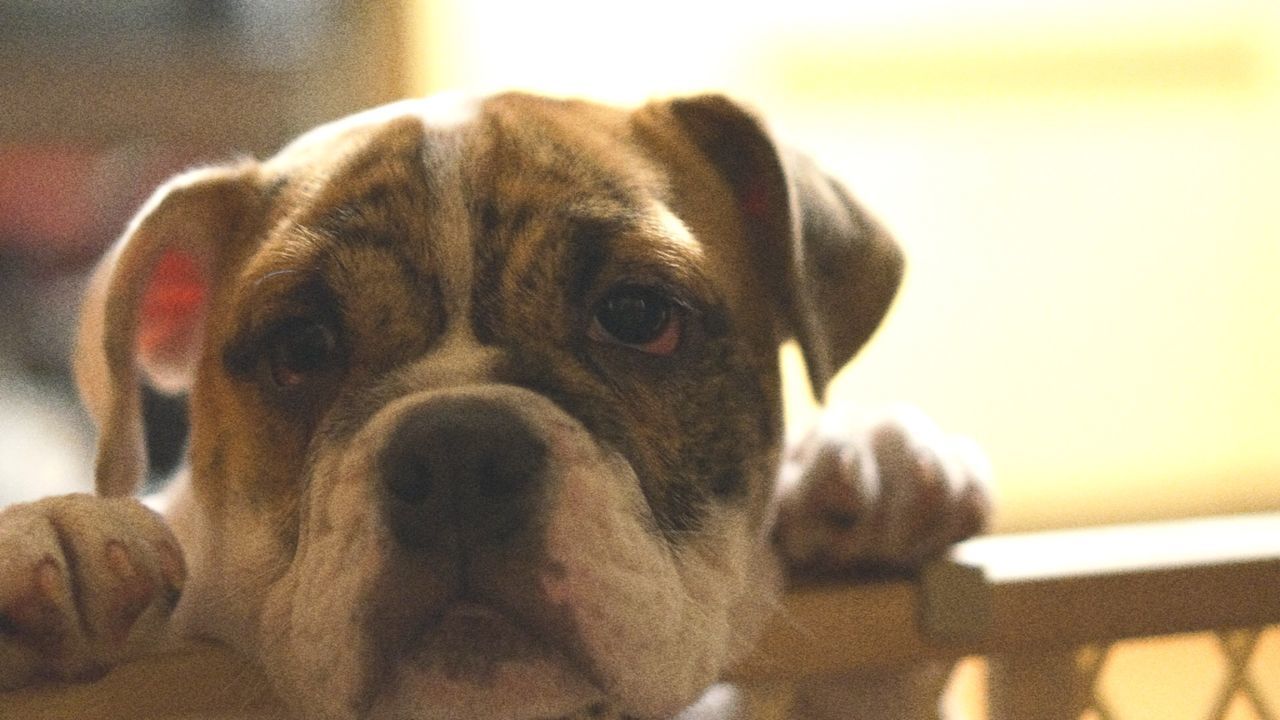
475	662
478	663
538	689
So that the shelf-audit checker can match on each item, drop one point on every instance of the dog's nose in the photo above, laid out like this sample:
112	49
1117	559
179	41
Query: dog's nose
466	465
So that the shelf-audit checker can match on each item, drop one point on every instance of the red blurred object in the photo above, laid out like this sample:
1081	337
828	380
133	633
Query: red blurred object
61	204
46	205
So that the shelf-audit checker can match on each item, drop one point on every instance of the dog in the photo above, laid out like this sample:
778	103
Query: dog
485	415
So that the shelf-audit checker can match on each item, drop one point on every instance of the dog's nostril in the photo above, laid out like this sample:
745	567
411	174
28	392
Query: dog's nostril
470	464
411	482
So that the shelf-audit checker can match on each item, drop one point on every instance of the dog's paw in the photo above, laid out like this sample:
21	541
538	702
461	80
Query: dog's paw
885	491
84	583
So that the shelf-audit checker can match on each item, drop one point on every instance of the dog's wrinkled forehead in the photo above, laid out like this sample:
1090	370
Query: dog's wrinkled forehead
444	195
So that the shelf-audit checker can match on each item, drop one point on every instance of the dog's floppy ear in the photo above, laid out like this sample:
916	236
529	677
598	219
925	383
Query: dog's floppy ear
837	270
144	310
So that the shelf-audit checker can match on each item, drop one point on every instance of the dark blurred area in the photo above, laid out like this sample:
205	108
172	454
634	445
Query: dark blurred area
100	102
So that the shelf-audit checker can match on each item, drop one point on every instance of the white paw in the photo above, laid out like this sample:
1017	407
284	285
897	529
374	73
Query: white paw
883	491
84	582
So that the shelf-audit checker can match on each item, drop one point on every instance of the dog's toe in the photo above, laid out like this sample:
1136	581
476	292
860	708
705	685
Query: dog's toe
888	490
83	582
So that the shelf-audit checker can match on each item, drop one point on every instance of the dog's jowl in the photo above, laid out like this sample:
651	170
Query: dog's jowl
485	412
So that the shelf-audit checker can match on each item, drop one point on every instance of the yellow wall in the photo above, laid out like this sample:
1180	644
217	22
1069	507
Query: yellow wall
1089	192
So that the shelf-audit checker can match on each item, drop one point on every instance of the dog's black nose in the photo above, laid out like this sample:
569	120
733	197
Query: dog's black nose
464	465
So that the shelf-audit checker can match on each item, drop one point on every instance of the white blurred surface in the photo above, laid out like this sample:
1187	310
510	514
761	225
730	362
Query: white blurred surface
44	446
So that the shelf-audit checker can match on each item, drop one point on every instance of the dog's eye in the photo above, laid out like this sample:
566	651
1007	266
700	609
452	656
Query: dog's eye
639	317
298	350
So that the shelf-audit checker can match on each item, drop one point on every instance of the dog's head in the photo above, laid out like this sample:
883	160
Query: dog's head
484	395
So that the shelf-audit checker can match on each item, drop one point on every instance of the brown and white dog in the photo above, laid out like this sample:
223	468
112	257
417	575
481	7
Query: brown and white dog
485	415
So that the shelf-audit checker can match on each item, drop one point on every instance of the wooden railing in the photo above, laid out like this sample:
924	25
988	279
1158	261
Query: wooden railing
1041	608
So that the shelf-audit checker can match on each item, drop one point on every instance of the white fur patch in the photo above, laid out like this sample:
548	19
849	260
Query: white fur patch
532	690
442	116
659	622
449	109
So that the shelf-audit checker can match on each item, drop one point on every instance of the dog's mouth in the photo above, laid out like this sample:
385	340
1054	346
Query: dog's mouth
472	656
471	639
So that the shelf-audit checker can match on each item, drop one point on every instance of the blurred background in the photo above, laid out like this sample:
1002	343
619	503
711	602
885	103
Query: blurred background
1088	192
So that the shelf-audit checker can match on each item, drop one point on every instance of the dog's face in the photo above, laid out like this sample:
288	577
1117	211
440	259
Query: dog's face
484	396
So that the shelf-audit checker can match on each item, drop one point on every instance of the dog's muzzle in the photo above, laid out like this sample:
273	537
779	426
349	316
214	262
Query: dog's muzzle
461	469
479	547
